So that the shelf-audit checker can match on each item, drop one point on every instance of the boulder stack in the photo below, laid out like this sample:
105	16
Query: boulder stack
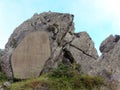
42	42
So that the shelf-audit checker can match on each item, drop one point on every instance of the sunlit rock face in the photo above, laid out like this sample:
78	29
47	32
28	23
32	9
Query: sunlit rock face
30	55
36	46
39	44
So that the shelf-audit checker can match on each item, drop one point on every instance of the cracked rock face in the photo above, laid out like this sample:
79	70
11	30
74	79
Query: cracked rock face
83	51
44	41
84	43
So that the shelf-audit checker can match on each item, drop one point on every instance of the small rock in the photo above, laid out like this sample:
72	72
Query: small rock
1	87
7	84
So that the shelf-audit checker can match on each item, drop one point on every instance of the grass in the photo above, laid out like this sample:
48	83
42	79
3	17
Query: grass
2	78
61	78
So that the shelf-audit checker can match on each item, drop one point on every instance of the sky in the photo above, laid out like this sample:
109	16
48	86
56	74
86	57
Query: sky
99	18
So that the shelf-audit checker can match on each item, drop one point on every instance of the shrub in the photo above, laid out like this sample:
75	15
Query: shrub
63	71
65	76
91	81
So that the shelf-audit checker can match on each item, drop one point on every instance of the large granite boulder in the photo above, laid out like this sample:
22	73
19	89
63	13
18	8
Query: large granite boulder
42	42
30	55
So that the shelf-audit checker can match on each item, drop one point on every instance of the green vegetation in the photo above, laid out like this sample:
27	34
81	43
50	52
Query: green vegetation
61	78
2	77
2	80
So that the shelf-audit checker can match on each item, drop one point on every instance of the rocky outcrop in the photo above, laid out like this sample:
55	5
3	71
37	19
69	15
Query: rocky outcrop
108	44
83	51
108	64
84	43
42	42
47	39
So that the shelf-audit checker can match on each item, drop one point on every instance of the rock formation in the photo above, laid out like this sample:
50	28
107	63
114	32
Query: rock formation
108	64
47	39
43	41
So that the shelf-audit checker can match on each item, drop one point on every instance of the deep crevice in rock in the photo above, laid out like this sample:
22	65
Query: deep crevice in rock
82	51
117	38
68	56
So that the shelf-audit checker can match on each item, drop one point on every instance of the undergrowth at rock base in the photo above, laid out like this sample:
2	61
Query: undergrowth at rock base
2	77
61	78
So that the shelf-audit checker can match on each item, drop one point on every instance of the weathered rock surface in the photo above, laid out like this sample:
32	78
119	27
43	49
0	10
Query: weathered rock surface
30	55
84	43
47	39
108	64
28	48
108	44
82	51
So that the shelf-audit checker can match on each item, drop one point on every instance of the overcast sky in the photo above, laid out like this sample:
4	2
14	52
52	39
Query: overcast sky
99	18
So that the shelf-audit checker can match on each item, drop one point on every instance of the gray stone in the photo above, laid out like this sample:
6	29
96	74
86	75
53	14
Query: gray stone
80	50
109	43
108	64
30	55
85	61
83	42
7	84
5	63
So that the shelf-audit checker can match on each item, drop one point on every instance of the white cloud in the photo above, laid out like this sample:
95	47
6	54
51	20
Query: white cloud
109	6
111	9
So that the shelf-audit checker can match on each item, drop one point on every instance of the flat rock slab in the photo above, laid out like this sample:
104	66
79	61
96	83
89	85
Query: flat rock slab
30	55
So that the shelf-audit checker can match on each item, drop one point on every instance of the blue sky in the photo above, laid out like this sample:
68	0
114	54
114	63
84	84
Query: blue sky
99	18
